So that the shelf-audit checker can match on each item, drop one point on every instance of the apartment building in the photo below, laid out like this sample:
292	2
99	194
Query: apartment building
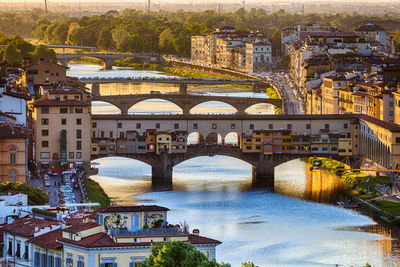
62	127
228	48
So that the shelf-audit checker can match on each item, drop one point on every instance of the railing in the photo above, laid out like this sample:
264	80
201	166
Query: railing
147	232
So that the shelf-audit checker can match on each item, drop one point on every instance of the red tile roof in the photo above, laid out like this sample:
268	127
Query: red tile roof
132	209
73	221
28	227
196	239
48	240
81	227
13	130
370	27
53	102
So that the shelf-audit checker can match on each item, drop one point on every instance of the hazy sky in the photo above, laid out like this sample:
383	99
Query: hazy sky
213	1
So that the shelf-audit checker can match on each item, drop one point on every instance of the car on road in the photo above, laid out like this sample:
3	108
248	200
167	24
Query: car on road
155	92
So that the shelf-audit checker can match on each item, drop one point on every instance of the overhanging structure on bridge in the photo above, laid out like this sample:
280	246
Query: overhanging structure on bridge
321	135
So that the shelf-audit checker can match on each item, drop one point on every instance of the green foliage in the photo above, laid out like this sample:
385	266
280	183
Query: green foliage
95	193
44	52
178	253
248	264
389	206
44	212
105	40
36	196
12	54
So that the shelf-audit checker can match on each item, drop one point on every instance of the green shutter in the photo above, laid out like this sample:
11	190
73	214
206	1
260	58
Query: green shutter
63	145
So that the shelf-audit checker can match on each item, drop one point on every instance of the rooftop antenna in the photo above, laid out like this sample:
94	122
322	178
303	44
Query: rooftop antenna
148	5
243	3
45	5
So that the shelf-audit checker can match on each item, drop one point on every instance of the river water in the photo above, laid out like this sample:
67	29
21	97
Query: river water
296	225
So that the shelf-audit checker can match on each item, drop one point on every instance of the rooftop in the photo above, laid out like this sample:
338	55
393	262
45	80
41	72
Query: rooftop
53	102
10	130
48	240
80	227
370	27
28	227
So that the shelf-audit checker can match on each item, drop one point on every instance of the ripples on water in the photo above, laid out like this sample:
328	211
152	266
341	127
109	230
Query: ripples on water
270	229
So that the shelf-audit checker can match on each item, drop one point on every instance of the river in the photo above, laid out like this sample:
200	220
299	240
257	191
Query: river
296	225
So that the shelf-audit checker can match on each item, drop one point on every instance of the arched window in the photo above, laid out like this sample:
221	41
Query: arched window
13	155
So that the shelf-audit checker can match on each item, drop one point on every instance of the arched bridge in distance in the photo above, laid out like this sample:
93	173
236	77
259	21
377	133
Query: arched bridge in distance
184	101
107	58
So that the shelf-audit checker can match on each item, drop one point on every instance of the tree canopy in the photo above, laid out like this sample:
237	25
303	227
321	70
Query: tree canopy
178	254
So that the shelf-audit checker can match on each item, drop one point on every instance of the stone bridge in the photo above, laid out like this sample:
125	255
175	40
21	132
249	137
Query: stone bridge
263	166
185	102
108	59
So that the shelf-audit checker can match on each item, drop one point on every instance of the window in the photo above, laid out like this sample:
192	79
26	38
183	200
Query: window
45	143
45	110
50	260
18	250
289	126
119	125
71	110
195	126
78	145
270	126
327	126
78	134
58	261
63	121
81	261
78	121
13	156
45	132
121	134
251	126
75	97
57	97
233	126
345	126
63	110
71	155
138	126
214	126
176	126
94	125
157	126
45	155
45	121
391	104
78	155
111	134
78	110
102	134
397	140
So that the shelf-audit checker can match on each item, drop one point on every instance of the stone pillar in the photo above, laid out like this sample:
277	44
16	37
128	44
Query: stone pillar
264	172
108	64
96	89
162	171
256	88
183	89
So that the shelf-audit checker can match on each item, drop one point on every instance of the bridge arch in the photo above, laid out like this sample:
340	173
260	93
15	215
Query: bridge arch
65	62
260	108
194	138
105	107
232	138
161	103
205	106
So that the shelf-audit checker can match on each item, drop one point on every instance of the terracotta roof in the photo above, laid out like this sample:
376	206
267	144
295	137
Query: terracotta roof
196	239
80	227
133	209
383	124
53	102
17	95
48	240
28	227
304	35
73	221
13	130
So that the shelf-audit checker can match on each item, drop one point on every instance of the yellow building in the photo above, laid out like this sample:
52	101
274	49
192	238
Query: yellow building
13	152
252	142
62	127
44	73
345	100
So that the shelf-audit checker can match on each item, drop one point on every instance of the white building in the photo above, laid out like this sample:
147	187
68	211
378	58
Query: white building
13	102
258	56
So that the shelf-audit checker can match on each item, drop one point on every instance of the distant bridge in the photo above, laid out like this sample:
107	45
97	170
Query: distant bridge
173	80
184	101
107	58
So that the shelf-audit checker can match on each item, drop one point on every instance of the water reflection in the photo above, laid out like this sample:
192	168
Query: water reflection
215	195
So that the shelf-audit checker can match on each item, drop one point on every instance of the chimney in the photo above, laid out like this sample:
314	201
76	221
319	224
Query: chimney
196	231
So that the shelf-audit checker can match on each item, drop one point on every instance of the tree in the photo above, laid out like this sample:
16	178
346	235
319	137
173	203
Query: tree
121	38
105	40
12	54
248	264
61	33
178	253
46	53
166	39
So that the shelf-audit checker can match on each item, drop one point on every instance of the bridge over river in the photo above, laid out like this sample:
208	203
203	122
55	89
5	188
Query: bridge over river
184	101
264	141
